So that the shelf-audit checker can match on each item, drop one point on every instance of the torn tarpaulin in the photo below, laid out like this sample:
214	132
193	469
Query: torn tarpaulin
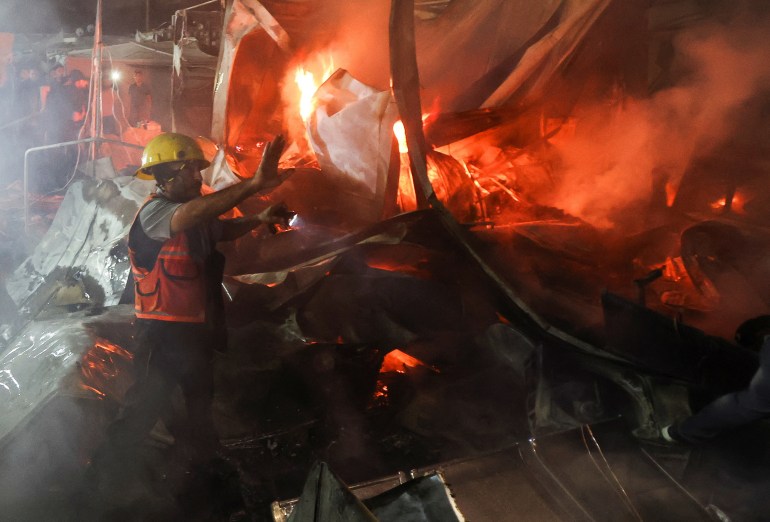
351	132
85	245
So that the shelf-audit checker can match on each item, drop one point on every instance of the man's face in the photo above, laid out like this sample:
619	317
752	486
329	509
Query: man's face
138	78
185	183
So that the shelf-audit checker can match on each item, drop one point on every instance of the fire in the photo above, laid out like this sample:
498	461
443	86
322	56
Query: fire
400	133
398	361
671	191
736	204
674	269
308	86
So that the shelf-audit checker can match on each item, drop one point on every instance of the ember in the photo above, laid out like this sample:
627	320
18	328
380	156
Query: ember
736	204
398	361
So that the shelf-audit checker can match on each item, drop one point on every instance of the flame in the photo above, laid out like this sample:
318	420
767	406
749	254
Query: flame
308	86
736	205
400	133
398	361
671	191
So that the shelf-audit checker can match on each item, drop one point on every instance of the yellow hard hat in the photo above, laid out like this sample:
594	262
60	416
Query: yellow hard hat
169	147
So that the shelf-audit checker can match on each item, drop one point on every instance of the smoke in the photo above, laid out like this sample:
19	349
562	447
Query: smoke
356	35
609	165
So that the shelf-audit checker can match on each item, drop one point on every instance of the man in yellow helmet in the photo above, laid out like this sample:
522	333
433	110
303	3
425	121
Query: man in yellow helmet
177	274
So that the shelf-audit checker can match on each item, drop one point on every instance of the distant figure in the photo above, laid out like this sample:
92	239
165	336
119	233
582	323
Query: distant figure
27	99
79	97
64	116
60	108
733	409
140	101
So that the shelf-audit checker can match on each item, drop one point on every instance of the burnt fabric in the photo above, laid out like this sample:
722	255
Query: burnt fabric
733	409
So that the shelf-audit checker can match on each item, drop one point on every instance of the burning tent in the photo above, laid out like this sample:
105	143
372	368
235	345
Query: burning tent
442	297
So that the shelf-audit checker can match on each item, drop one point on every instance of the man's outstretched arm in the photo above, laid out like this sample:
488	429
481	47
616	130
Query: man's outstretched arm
205	208
276	214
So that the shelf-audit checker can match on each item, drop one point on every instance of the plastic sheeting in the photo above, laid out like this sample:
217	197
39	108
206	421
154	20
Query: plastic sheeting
596	472
326	497
541	61
45	360
351	133
84	246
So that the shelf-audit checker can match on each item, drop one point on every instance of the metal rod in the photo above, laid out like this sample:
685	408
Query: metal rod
58	146
200	5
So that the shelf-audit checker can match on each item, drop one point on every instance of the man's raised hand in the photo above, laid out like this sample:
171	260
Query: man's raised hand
267	175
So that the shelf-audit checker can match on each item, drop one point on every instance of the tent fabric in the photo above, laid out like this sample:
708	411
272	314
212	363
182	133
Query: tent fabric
474	53
149	54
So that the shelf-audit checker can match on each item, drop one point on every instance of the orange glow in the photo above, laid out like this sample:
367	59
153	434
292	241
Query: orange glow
398	361
308	86
674	269
720	203
736	205
101	366
109	347
671	191
402	268
400	133
381	392
96	392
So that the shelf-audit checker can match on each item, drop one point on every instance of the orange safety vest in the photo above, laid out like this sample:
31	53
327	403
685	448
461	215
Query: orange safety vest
175	288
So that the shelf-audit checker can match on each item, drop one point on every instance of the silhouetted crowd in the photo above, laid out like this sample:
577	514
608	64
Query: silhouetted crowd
36	109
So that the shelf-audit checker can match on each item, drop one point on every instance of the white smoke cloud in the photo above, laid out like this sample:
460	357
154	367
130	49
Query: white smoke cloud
609	163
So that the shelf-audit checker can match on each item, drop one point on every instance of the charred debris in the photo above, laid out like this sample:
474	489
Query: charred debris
513	265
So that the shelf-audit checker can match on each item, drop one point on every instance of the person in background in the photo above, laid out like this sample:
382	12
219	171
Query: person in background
140	100
733	409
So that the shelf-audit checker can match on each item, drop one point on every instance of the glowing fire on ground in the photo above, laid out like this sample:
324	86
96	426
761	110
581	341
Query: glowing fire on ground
398	361
394	361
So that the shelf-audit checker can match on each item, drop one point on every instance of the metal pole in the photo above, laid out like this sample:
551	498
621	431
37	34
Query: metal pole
146	16
58	146
96	77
